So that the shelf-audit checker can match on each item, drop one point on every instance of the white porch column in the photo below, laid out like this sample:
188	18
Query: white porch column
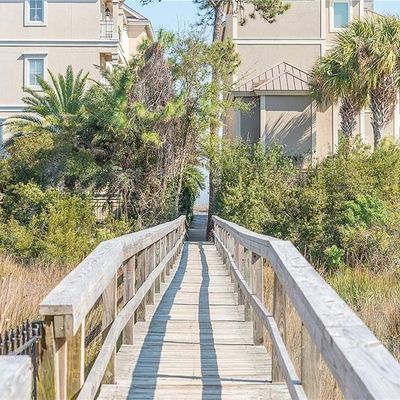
263	119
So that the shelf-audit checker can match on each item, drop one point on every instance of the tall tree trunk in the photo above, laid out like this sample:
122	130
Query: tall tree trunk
214	126
348	114
383	100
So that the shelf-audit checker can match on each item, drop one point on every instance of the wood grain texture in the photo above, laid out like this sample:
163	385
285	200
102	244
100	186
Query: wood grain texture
129	291
361	365
109	301
46	383
15	377
279	312
76	362
311	366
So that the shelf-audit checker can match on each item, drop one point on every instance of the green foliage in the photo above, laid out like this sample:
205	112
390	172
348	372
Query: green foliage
344	210
192	184
48	224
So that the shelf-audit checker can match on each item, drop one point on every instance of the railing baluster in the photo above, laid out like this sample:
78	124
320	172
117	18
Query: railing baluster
140	274
129	292
280	318
257	288
247	277
150	265
311	364
109	298
76	362
157	257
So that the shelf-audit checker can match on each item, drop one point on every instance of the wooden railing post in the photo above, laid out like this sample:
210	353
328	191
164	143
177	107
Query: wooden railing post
168	249
129	292
150	265
46	386
247	277
279	312
257	289
163	252
140	275
109	299
311	365
157	257
76	362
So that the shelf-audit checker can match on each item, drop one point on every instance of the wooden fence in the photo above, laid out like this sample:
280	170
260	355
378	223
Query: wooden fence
362	367
98	303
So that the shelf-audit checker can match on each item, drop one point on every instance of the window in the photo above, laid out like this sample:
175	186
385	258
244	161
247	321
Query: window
35	69
340	14
35	12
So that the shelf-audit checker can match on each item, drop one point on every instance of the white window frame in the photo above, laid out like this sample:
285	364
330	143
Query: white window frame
332	13
27	58
27	21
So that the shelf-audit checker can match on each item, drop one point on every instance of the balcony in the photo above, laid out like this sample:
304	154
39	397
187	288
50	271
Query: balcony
106	29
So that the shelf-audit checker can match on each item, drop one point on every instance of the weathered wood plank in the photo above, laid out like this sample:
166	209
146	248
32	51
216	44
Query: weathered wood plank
109	301
279	312
46	383
76	362
311	365
129	291
15	377
257	289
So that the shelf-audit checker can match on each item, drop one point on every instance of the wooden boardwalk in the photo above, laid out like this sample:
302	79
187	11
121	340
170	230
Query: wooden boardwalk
172	324
195	343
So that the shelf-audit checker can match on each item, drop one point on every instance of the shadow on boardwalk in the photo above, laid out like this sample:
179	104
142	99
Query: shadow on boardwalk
146	374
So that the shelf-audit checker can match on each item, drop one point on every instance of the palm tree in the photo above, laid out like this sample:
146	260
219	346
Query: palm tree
333	81
371	48
56	107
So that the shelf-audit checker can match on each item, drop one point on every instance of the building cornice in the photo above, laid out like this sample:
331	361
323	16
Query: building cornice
12	108
57	43
280	41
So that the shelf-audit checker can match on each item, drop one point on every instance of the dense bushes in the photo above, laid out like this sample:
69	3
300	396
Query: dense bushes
342	211
47	224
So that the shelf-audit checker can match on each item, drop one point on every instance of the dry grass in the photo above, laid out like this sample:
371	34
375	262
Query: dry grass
22	287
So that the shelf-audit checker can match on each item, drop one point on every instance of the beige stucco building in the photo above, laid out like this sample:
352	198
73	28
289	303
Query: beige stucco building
273	77
37	35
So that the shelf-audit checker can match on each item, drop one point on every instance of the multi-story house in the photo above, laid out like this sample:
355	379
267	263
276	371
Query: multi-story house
273	77
41	35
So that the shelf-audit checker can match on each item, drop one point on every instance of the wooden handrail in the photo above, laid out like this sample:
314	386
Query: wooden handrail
15	377
79	291
360	364
93	381
137	263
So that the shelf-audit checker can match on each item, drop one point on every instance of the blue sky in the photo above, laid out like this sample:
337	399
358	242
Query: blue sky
178	14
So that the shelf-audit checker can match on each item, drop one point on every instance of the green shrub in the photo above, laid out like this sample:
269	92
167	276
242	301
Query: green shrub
49	224
344	210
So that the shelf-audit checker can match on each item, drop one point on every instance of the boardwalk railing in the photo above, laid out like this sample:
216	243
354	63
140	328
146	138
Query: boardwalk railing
114	283
16	377
362	367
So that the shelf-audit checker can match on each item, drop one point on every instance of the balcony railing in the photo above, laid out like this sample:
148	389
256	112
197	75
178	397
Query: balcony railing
106	29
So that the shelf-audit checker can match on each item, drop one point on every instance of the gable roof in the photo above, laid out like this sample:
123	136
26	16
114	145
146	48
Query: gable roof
133	13
281	77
